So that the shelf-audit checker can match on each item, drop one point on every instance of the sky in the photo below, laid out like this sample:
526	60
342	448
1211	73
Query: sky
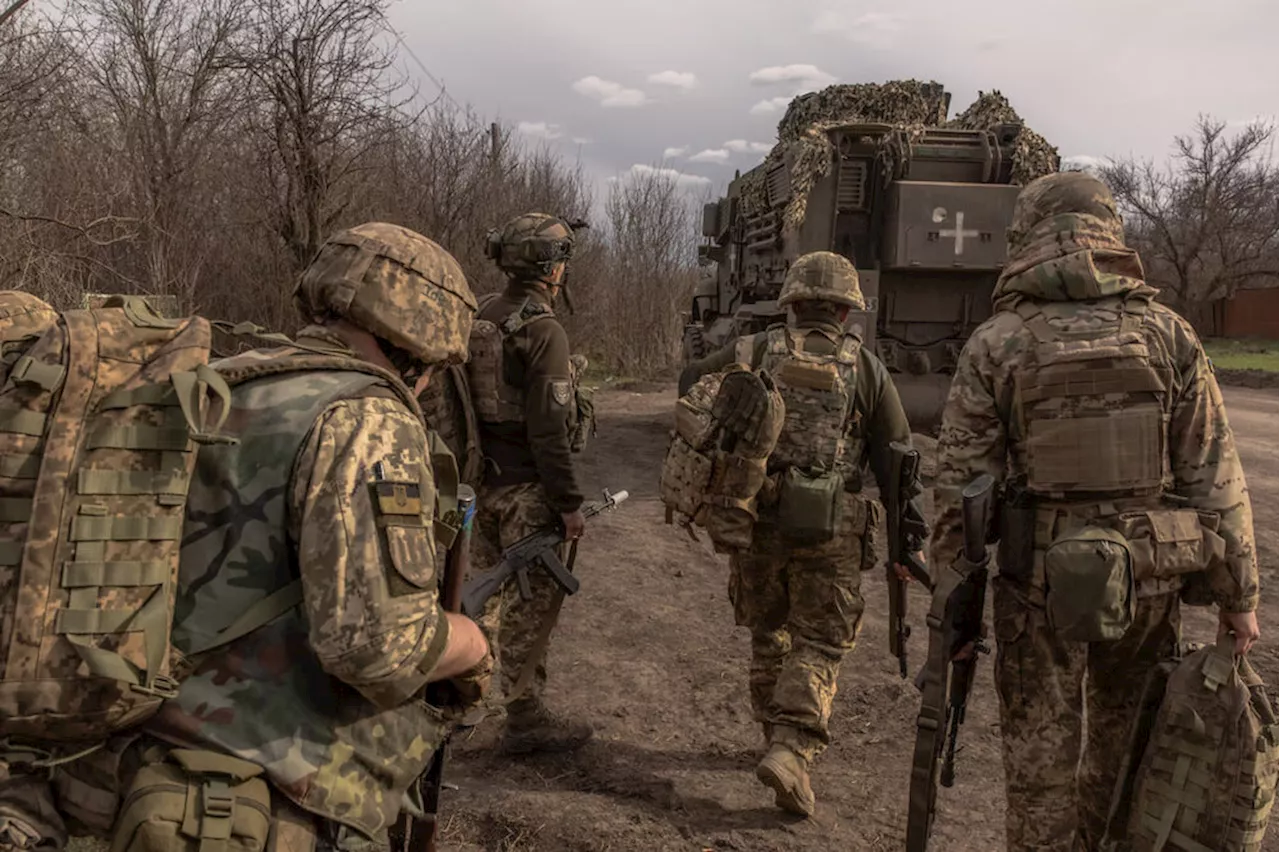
698	86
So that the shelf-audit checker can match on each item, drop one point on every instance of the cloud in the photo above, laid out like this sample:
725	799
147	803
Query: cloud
771	105
672	153
808	76
742	146
674	79
710	155
539	129
581	140
1083	162
872	29
682	179
609	93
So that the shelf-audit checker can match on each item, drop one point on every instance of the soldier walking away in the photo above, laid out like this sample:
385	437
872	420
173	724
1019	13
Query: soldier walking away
524	391
797	586
1123	494
307	566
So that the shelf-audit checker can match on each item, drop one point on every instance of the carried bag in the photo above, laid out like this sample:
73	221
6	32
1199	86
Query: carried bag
809	506
1201	774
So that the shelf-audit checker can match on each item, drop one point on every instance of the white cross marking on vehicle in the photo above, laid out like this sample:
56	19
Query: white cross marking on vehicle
958	232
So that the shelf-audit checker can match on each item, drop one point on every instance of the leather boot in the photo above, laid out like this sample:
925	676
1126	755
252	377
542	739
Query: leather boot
787	774
531	727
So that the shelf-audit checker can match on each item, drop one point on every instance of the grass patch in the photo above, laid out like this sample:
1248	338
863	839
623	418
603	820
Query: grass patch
1244	354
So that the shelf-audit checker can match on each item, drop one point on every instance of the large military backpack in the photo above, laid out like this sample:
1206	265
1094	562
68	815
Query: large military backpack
1201	770
100	417
712	479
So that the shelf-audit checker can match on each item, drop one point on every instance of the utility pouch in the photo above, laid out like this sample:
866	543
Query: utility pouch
1172	542
1089	585
195	801
809	506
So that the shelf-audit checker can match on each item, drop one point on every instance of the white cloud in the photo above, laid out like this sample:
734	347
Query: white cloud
609	93
742	146
672	153
1083	162
710	155
771	105
539	129
807	76
682	179
674	79
872	29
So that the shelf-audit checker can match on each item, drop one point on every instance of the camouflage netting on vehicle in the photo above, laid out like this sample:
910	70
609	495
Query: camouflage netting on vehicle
911	105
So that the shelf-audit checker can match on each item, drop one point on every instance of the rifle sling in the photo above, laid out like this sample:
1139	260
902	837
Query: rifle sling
931	723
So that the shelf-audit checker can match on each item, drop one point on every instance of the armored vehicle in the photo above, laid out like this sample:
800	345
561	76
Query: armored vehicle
921	212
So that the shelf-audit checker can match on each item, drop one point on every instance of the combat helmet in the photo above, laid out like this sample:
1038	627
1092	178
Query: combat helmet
24	315
396	284
1078	194
531	245
822	276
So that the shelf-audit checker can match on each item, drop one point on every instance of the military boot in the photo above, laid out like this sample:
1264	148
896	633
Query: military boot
787	774
531	727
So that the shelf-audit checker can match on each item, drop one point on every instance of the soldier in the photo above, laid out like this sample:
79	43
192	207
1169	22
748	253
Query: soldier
1097	408
524	394
315	531
799	598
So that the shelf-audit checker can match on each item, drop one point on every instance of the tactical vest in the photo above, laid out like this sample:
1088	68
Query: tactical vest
496	400
818	394
1091	408
265	697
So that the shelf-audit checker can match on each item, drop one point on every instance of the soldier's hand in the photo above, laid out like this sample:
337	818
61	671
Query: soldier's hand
575	524
903	572
1244	625
469	688
741	402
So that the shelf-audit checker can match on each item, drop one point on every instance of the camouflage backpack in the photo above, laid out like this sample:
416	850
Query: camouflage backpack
1201	771
100	417
711	479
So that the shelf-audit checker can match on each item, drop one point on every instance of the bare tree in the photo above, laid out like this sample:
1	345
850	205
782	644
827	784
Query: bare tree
326	99
1206	223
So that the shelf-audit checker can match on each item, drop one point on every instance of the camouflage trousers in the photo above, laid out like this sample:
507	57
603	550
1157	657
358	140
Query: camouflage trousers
504	515
804	608
1065	714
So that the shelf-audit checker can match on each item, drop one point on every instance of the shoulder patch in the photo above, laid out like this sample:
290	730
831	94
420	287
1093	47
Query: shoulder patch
560	392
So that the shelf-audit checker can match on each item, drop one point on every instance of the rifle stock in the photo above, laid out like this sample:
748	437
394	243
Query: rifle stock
419	835
955	622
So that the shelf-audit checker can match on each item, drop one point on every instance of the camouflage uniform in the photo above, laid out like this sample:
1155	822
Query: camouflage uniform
803	604
317	524
1069	270
529	479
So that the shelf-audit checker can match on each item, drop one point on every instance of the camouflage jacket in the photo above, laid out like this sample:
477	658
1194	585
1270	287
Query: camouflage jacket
1075	265
535	359
329	492
878	418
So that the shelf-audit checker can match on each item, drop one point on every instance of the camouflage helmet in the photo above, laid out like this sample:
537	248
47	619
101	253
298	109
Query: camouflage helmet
822	276
1063	193
530	245
23	315
396	284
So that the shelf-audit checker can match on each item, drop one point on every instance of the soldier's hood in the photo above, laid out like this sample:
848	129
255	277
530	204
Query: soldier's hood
1071	257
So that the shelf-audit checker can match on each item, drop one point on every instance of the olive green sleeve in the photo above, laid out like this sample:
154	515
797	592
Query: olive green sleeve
885	423
549	408
718	360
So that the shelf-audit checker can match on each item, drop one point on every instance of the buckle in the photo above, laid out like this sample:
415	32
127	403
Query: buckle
216	799
162	686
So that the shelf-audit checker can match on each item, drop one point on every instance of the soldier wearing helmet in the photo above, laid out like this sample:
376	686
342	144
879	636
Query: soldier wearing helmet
317	528
1097	409
523	383
797	587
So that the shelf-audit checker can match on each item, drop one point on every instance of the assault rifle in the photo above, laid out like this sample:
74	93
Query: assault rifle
906	534
539	549
419	834
955	640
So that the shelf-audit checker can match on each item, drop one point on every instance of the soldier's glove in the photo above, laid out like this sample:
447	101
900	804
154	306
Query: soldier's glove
742	403
469	688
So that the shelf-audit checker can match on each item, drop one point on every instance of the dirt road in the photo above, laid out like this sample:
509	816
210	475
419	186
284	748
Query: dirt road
648	654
